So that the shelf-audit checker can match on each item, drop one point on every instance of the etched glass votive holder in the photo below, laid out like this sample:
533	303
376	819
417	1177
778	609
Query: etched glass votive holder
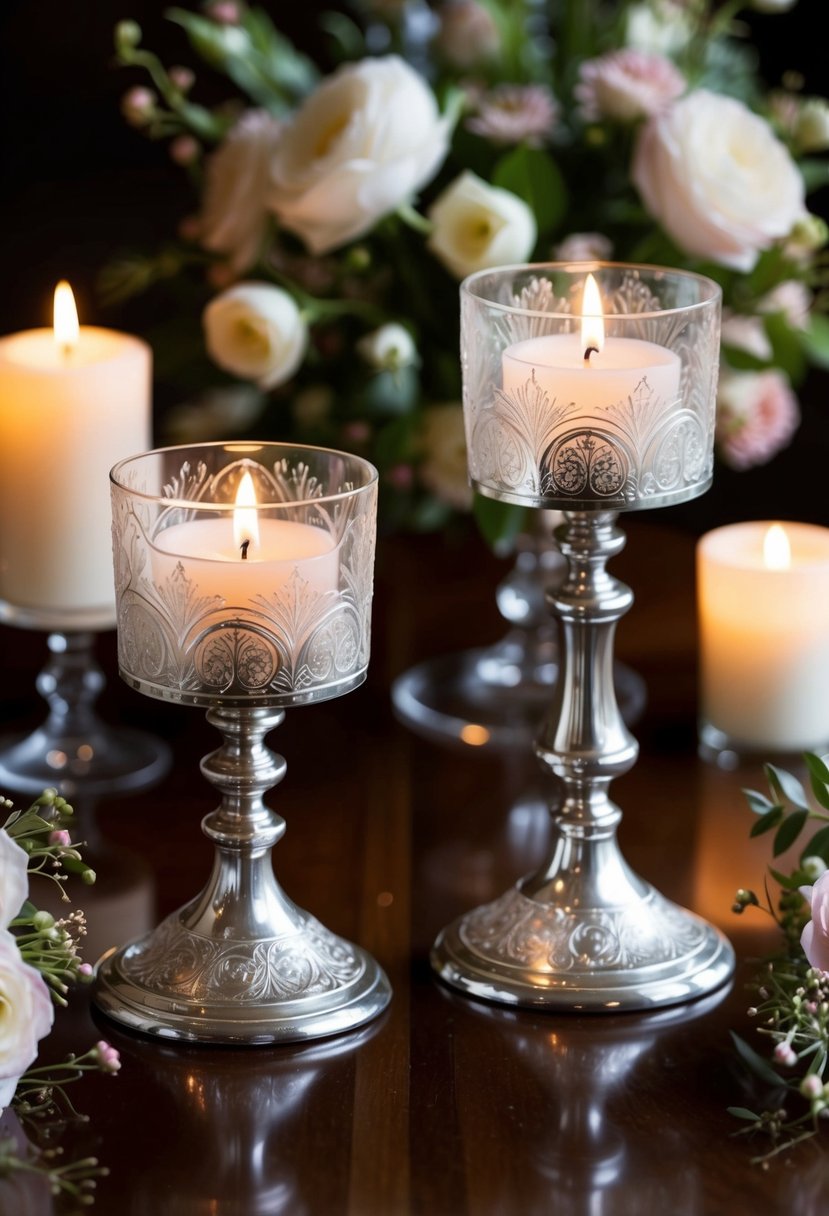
244	576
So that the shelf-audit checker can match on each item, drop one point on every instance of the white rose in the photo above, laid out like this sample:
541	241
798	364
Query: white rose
717	179
659	28
475	225
388	348
256	331
14	879
361	144
26	1014
236	189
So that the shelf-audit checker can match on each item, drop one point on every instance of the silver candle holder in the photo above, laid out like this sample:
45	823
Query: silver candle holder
244	576
591	408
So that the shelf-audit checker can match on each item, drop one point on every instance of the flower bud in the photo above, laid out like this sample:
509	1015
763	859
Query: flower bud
88	877
127	35
138	106
43	921
388	348
182	78
811	131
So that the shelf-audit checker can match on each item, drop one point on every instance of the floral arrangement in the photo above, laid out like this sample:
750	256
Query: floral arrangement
39	959
333	209
792	989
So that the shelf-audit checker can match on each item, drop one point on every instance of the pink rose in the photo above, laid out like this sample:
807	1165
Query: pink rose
815	936
626	85
717	179
757	415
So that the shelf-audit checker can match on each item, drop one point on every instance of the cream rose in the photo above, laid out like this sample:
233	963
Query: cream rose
14	879
256	331
475	225
237	184
26	1015
365	141
717	179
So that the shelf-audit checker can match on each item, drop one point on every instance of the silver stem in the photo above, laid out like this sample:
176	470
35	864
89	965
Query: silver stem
241	963
585	932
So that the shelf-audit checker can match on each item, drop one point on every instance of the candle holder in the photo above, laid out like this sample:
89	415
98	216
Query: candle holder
547	429
496	696
241	963
74	750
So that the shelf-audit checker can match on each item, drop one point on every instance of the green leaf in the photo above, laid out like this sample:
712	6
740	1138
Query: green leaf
816	340
768	821
817	767
740	1112
787	881
815	173
789	831
756	1063
786	786
818	846
758	802
499	522
535	177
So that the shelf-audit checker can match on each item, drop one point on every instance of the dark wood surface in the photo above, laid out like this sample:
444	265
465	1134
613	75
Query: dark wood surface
443	1106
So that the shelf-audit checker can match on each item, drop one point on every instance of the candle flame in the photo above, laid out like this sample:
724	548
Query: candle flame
65	317
777	552
592	323
245	519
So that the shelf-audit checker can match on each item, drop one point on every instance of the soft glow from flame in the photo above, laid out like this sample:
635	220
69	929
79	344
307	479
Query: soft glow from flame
65	317
777	552
592	323
245	520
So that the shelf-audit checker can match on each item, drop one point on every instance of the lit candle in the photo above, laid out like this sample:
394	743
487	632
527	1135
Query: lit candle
244	556
589	370
73	401
762	593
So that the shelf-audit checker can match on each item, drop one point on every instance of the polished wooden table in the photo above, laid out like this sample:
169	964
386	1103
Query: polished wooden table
443	1106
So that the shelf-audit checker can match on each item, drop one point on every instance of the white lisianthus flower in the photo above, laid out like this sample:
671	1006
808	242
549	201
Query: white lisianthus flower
389	348
792	299
14	878
236	188
256	331
717	179
26	1015
365	141
475	226
584	247
660	28
747	334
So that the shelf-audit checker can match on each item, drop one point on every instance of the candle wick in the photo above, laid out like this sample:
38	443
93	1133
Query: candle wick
66	350
244	548
590	351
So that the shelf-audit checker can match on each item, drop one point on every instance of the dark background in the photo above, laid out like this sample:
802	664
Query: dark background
79	185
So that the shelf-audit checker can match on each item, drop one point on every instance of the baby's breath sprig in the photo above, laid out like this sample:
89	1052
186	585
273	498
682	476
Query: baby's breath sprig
792	995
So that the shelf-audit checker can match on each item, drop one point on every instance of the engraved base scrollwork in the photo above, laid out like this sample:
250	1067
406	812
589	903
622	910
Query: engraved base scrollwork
241	963
584	932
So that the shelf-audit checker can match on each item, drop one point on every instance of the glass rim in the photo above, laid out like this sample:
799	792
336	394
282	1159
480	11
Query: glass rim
246	446
713	296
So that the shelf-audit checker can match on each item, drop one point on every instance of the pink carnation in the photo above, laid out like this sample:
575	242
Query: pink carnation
514	114
757	415
627	84
815	936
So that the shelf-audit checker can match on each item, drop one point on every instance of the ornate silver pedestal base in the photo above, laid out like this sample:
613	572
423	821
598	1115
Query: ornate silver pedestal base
521	951
241	963
585	933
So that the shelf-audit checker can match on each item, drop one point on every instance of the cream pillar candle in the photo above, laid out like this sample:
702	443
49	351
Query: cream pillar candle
68	412
763	610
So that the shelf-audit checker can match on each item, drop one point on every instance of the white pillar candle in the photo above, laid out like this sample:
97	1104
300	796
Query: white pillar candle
764	635
245	556
590	371
212	562
68	412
